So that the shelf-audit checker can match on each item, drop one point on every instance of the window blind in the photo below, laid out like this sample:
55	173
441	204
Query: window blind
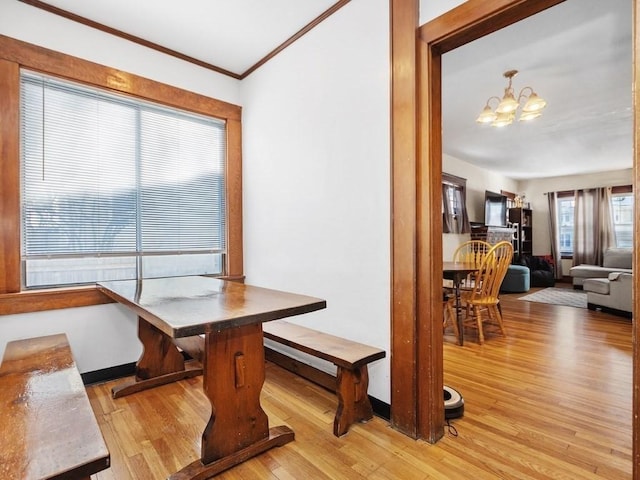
108	179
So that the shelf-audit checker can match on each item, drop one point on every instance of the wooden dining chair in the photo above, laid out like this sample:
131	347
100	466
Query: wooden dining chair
482	300
472	251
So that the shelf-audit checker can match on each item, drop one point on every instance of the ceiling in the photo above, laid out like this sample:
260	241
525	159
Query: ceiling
232	35
576	55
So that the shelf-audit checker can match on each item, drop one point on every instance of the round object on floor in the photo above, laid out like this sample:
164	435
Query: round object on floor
516	279
453	403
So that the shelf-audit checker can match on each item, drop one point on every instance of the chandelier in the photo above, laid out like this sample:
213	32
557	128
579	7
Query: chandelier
505	112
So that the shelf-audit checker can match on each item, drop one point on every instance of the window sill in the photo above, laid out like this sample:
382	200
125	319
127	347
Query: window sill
57	298
53	299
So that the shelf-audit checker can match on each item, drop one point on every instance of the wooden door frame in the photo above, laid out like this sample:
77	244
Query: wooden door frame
416	309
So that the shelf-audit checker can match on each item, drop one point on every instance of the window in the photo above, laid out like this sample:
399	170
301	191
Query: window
117	188
565	206
622	217
18	55
454	210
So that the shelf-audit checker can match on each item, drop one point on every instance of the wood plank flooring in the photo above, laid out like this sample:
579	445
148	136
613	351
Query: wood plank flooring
550	401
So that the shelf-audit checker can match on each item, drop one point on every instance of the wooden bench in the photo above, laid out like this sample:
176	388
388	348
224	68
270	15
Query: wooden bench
47	427
351	359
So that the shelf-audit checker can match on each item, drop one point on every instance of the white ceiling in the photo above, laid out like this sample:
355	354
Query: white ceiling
576	55
230	34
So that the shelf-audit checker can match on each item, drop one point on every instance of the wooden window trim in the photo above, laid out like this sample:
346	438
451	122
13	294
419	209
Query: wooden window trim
614	189
14	55
622	189
565	194
454	180
457	182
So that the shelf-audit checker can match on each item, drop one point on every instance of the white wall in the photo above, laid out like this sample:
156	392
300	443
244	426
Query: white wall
317	176
30	24
316	166
101	336
478	181
317	172
430	9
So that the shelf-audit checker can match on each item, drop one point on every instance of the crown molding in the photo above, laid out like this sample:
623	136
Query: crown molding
160	48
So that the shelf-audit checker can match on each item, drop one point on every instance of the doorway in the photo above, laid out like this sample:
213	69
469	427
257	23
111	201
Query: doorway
423	382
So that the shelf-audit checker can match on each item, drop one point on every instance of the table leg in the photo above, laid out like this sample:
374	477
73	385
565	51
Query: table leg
238	429
159	364
458	316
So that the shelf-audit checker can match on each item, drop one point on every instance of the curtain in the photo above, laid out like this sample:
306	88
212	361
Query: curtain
553	228
463	218
454	205
448	215
593	231
607	231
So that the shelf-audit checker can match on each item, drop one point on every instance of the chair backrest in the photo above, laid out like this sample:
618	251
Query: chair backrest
472	251
491	273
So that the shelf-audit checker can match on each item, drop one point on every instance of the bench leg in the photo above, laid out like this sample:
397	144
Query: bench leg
353	401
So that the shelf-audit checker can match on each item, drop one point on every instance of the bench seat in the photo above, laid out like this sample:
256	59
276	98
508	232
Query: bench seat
351	359
47	427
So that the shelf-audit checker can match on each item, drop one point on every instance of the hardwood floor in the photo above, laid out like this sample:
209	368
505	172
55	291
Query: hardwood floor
550	401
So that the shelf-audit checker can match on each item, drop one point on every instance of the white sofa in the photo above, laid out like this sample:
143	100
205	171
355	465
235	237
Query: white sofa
613	294
615	260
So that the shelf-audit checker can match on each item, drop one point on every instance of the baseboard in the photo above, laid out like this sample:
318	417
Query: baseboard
108	374
114	373
380	408
321	378
612	311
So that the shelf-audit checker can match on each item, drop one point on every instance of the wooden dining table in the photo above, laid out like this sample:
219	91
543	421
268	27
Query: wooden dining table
226	318
457	272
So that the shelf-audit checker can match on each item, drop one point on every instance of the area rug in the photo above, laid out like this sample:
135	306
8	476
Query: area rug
558	296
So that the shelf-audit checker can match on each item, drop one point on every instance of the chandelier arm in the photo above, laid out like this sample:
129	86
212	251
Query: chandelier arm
507	108
493	98
522	94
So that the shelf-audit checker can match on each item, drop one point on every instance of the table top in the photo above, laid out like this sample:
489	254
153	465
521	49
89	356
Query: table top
459	267
456	271
186	306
